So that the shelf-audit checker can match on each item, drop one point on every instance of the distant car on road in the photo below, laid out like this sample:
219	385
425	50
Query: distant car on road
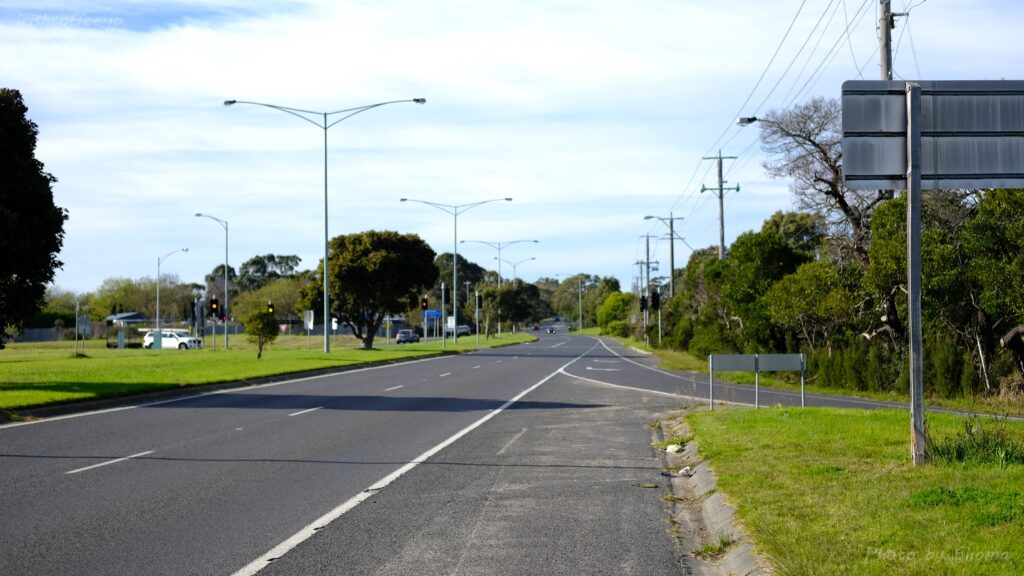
406	336
536	327
551	329
463	330
171	340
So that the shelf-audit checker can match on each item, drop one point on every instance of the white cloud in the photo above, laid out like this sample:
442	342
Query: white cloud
590	114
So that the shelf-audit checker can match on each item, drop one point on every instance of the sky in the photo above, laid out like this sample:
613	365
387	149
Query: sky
589	114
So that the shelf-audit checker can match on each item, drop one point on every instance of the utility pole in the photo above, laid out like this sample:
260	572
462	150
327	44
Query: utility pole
885	26
721	206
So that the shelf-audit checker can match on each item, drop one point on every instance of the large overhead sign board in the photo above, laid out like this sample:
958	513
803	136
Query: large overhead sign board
972	134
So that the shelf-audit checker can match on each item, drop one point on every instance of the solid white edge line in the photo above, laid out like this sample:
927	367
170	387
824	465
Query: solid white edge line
109	462
688	397
394	388
214	392
307	411
321	522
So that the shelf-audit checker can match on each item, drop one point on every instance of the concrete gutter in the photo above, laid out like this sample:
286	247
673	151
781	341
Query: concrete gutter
704	515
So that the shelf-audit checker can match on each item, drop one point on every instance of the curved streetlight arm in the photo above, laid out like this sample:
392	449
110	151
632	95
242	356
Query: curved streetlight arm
223	223
168	255
453	209
298	112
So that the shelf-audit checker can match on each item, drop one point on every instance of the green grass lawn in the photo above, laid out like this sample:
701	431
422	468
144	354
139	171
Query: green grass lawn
39	374
826	491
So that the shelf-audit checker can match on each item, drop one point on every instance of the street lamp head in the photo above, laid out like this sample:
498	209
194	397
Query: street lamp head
649	217
184	249
420	100
198	214
403	199
746	120
230	102
508	199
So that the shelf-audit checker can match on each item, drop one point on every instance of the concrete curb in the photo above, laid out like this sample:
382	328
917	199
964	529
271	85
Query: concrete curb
710	516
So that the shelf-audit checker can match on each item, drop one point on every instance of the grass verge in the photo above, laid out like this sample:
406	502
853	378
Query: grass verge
33	375
826	491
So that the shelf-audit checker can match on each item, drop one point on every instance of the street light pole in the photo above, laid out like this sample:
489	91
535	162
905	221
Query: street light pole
514	265
323	122
455	210
498	246
224	224
157	340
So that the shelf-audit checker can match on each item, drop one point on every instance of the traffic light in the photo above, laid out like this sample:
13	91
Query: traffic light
655	300
270	307
643	303
215	307
424	304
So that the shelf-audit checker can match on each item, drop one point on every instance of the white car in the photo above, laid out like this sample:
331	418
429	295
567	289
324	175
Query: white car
171	340
463	330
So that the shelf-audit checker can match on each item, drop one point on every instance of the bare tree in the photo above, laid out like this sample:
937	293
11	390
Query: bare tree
805	146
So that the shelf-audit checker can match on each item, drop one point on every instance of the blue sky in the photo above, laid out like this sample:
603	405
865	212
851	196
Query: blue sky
590	114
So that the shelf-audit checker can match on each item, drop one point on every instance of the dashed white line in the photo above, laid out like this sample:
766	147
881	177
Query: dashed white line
301	412
445	374
307	532
395	388
476	367
115	461
562	343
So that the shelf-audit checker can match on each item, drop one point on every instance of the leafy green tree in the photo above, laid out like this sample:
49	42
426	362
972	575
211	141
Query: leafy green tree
756	261
257	271
31	225
284	293
373	274
262	328
215	285
816	301
617	306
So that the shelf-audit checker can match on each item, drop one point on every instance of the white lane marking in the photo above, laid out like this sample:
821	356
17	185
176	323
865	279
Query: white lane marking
604	369
395	387
562	343
232	390
301	412
511	442
108	463
599	361
445	375
321	522
497	361
476	367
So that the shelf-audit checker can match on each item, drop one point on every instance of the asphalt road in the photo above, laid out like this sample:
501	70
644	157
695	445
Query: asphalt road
532	459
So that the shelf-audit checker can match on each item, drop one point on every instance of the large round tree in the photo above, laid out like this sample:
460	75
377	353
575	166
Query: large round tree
31	226
373	274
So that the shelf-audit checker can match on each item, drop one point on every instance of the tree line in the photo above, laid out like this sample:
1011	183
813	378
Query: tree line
829	279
